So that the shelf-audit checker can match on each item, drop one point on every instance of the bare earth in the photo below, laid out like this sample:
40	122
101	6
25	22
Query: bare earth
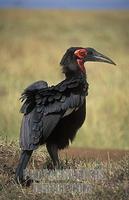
95	154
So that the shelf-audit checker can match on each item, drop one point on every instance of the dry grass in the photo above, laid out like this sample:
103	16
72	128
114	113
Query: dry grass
31	46
111	183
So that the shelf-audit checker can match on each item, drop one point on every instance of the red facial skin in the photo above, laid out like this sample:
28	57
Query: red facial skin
81	54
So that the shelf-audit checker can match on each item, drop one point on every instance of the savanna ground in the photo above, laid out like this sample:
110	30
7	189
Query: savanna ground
31	46
98	179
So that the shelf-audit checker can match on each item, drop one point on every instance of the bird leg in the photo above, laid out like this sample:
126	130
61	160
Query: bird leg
53	152
24	158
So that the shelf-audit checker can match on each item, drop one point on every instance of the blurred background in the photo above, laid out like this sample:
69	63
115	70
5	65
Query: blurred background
34	35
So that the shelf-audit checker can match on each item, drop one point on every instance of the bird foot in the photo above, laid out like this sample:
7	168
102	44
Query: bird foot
23	182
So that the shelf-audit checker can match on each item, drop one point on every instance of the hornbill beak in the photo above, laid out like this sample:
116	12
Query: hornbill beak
98	57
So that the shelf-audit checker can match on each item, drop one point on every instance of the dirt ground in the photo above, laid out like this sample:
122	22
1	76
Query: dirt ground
95	154
9	156
115	173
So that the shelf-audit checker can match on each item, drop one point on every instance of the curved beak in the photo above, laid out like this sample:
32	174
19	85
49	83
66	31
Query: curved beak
98	57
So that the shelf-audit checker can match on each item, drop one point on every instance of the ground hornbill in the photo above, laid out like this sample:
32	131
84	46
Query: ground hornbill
53	115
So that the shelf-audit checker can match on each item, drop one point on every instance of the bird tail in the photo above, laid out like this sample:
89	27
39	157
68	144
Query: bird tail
24	158
26	133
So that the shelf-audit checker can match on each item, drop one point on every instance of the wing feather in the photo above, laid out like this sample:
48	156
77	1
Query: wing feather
44	106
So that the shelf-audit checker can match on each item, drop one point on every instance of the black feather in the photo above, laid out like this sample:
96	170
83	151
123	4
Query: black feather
53	115
44	108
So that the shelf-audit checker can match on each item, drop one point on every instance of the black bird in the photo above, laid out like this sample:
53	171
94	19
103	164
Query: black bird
52	115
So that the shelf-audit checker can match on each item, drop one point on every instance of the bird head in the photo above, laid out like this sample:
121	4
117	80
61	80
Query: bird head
75	57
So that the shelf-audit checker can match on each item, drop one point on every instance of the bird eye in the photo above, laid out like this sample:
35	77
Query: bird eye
80	53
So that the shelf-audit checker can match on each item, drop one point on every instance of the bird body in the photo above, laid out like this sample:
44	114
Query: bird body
52	115
48	111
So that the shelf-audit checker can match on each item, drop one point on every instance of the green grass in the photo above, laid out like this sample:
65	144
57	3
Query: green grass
31	46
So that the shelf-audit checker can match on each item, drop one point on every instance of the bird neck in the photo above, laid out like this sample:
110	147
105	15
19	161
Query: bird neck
73	69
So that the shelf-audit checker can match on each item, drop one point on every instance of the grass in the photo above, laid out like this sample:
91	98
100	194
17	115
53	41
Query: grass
111	181
31	46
